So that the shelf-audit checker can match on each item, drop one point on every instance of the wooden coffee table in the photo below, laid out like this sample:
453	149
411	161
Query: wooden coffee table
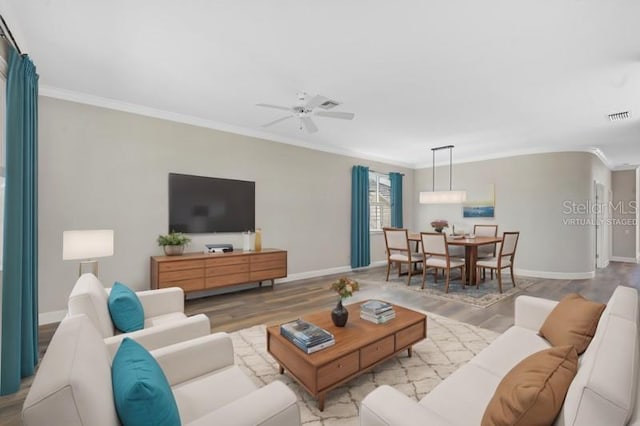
360	346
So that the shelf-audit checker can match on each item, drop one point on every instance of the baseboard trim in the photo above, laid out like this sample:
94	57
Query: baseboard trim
51	317
328	271
556	275
623	259
57	316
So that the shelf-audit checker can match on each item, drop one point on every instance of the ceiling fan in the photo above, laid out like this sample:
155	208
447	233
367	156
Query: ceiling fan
305	109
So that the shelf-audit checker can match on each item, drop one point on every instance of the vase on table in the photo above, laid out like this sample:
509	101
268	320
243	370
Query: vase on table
339	315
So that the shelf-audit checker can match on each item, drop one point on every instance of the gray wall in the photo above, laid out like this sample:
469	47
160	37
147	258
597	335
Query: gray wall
101	168
531	192
624	230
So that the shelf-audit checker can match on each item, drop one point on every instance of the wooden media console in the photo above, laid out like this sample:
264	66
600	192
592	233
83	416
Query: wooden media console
198	271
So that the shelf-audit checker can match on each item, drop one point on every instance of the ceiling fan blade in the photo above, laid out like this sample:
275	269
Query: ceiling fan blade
336	114
274	106
309	125
315	101
276	121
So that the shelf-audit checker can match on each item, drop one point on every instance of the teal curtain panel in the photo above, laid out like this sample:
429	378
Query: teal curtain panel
20	264
360	244
396	199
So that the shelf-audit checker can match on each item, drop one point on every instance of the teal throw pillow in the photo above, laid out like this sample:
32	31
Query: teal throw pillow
140	389
125	308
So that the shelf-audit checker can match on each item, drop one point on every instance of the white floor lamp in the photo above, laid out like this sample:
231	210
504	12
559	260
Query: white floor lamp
87	245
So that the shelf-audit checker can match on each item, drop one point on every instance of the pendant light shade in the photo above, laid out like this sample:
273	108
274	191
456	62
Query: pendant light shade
442	197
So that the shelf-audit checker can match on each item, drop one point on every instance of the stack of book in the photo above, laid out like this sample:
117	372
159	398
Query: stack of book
308	337
377	311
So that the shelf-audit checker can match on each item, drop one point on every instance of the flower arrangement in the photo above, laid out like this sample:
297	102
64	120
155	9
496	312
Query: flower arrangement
345	287
439	224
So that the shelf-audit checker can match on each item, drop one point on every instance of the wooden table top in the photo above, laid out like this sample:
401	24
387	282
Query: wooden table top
354	335
476	241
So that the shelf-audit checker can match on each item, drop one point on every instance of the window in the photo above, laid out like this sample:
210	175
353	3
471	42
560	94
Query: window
379	201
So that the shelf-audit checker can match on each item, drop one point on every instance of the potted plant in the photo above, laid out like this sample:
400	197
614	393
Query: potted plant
344	287
173	243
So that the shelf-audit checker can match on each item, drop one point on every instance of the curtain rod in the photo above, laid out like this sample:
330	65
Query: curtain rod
383	173
6	27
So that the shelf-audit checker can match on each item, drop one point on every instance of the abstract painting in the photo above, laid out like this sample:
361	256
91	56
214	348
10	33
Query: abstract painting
481	201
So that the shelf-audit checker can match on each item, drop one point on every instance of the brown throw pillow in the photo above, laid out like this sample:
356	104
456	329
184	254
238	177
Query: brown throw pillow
533	392
572	322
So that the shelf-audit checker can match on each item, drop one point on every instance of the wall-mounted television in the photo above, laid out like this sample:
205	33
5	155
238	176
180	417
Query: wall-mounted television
200	204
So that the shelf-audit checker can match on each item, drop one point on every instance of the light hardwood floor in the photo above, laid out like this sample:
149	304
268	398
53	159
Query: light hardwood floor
264	305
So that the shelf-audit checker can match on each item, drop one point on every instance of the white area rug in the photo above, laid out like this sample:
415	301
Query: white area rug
449	345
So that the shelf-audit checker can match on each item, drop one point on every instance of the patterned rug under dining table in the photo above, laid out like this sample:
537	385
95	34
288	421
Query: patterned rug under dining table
360	346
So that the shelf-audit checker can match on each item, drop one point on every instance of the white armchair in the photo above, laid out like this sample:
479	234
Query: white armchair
73	384
165	322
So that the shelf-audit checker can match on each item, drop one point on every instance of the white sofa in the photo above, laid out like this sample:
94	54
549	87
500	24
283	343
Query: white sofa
165	322
602	393
73	384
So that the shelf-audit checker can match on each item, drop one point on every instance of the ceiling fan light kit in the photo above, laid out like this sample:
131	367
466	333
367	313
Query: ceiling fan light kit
442	197
306	110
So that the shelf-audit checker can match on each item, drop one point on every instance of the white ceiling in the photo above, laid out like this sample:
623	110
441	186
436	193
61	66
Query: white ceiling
494	78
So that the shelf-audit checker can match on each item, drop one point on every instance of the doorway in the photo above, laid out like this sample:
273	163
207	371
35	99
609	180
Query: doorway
602	225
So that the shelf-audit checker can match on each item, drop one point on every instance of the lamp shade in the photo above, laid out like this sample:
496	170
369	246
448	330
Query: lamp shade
87	244
443	197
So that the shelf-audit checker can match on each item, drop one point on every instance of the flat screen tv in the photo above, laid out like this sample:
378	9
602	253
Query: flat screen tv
205	205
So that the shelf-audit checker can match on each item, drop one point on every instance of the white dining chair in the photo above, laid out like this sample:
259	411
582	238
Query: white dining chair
436	255
504	259
486	251
399	251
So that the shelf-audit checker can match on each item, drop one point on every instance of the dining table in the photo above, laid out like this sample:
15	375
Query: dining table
470	245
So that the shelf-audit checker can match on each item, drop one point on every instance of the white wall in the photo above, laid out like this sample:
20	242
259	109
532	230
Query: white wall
531	192
101	168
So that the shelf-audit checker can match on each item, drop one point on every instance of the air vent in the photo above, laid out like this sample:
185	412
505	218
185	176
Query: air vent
625	115
329	104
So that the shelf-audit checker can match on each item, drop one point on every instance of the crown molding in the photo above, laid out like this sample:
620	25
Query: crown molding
517	153
99	101
626	167
84	98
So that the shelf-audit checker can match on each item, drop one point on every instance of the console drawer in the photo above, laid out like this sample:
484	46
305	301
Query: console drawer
230	279
268	274
268	257
226	260
337	370
186	285
181	265
227	269
261	262
374	352
173	276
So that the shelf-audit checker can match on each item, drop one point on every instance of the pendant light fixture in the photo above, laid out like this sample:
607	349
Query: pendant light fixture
442	197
